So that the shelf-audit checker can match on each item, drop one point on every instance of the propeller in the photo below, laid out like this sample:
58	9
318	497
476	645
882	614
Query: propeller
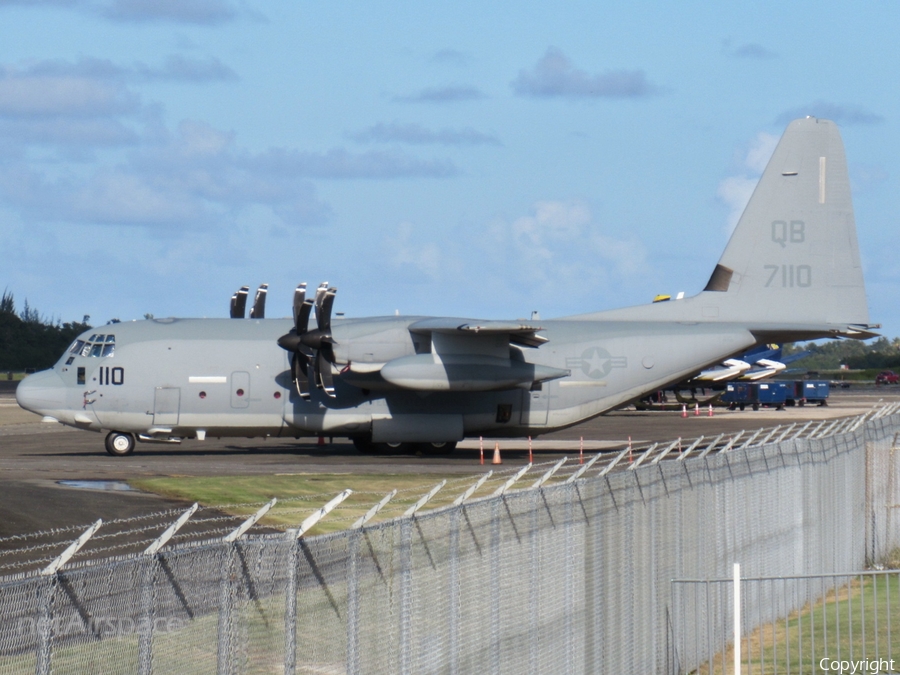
258	311
311	347
239	302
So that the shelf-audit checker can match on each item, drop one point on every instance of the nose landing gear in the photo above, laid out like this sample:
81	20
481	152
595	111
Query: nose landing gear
119	443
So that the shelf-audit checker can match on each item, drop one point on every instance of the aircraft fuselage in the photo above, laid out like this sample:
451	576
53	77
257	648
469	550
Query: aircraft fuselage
184	378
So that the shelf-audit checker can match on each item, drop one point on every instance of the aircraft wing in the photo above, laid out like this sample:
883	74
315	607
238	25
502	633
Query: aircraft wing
468	355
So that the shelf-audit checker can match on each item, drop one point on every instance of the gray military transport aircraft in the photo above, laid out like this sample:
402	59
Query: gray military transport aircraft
791	271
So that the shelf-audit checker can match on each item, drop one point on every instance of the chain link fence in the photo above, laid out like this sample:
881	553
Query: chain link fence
570	577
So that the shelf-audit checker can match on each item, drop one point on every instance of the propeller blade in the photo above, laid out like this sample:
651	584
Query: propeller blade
299	298
302	319
323	373
239	304
320	296
326	349
300	374
258	311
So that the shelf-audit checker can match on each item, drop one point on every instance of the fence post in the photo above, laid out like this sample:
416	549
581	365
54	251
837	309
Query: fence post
737	618
534	586
454	589
494	582
290	601
44	625
290	606
353	602
45	622
569	581
223	652
405	593
145	634
151	553
224	662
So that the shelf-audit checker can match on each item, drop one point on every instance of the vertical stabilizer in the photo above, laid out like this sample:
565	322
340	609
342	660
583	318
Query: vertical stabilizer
793	257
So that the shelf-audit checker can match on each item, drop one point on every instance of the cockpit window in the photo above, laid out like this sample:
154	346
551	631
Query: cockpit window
96	345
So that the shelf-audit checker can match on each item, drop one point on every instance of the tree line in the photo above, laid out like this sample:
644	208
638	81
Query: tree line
29	340
879	354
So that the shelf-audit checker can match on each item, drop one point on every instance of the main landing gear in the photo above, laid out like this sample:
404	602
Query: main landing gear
365	445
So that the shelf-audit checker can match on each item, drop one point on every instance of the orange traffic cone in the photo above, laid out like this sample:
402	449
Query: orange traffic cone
321	440
710	410
684	410
696	410
496	459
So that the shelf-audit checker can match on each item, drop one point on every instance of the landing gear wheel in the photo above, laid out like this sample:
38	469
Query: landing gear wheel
397	448
438	449
119	444
365	445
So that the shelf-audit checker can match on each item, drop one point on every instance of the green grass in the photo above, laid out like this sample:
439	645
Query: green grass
840	626
299	495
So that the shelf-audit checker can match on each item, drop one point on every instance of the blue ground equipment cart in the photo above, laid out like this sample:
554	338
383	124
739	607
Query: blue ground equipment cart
773	394
808	391
740	394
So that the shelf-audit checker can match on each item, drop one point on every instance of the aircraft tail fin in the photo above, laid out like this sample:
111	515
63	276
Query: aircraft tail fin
793	257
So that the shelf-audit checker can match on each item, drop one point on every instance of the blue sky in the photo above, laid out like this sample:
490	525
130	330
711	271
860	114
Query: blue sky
429	158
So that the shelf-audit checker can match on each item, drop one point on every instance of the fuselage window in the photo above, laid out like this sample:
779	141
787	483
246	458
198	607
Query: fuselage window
109	349
76	347
96	349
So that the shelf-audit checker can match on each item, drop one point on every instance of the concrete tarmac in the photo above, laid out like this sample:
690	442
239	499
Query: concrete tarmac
35	456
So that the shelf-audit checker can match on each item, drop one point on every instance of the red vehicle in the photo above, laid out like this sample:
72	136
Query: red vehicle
887	377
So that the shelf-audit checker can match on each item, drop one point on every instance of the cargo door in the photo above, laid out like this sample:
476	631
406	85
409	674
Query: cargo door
166	405
240	389
535	405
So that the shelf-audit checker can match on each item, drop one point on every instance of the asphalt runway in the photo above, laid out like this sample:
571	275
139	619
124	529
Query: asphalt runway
35	456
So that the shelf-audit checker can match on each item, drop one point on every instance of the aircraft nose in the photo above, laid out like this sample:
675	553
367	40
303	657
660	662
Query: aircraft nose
42	392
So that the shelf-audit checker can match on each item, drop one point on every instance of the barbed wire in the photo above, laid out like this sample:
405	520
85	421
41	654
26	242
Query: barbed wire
197	528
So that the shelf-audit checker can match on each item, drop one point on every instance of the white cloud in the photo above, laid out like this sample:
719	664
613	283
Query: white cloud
554	75
448	94
760	151
122	166
180	11
422	258
747	50
38	95
416	134
196	178
735	191
555	256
